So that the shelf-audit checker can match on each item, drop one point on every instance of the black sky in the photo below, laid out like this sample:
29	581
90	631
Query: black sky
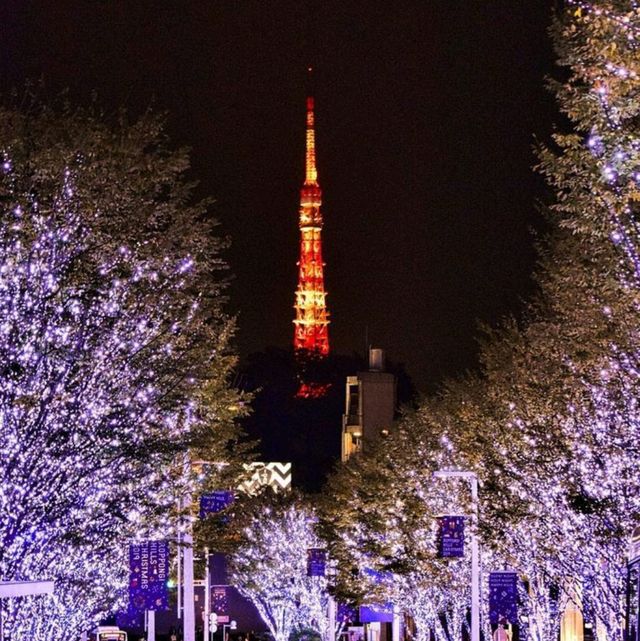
426	112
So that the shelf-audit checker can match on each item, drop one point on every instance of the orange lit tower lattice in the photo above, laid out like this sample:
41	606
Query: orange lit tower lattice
312	319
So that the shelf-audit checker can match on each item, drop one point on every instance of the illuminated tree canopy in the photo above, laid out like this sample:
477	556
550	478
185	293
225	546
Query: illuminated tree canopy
269	565
113	353
550	424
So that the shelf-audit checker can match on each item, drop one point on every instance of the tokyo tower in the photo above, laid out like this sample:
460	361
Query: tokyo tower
312	319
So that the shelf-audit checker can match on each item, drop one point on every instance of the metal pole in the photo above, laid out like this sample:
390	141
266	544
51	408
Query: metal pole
475	547
475	565
151	626
189	620
179	555
332	619
207	595
395	625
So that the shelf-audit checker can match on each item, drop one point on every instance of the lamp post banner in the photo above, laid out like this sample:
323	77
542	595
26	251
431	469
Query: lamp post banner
316	561
450	537
148	575
220	602
215	502
503	597
346	613
376	613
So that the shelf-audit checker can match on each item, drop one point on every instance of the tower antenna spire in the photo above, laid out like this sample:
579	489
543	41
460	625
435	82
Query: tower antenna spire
312	319
311	172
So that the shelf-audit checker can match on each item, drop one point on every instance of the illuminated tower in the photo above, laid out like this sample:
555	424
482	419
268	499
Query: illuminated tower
312	319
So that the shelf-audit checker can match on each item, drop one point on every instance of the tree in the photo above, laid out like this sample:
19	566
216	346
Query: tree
380	521
269	565
551	424
113	353
595	169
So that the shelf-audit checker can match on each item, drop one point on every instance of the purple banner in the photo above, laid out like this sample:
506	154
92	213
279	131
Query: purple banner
316	561
451	537
376	614
503	597
215	502
148	575
346	613
220	602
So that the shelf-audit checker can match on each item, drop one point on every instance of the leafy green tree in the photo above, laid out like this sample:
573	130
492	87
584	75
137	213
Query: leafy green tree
380	521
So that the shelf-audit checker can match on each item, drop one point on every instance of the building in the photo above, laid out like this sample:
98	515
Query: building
370	404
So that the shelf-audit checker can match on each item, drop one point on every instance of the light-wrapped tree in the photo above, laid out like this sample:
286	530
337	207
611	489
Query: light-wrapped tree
551	425
113	354
380	520
268	564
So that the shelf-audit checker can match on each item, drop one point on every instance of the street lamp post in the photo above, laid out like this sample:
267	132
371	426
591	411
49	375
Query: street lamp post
475	550
188	596
232	625
188	593
14	589
331	613
207	596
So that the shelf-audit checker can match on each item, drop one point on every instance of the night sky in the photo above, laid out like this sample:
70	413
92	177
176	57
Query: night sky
426	113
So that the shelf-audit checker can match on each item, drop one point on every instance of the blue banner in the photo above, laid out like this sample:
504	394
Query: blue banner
220	602
148	576
375	614
503	597
346	613
451	537
215	502
316	561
